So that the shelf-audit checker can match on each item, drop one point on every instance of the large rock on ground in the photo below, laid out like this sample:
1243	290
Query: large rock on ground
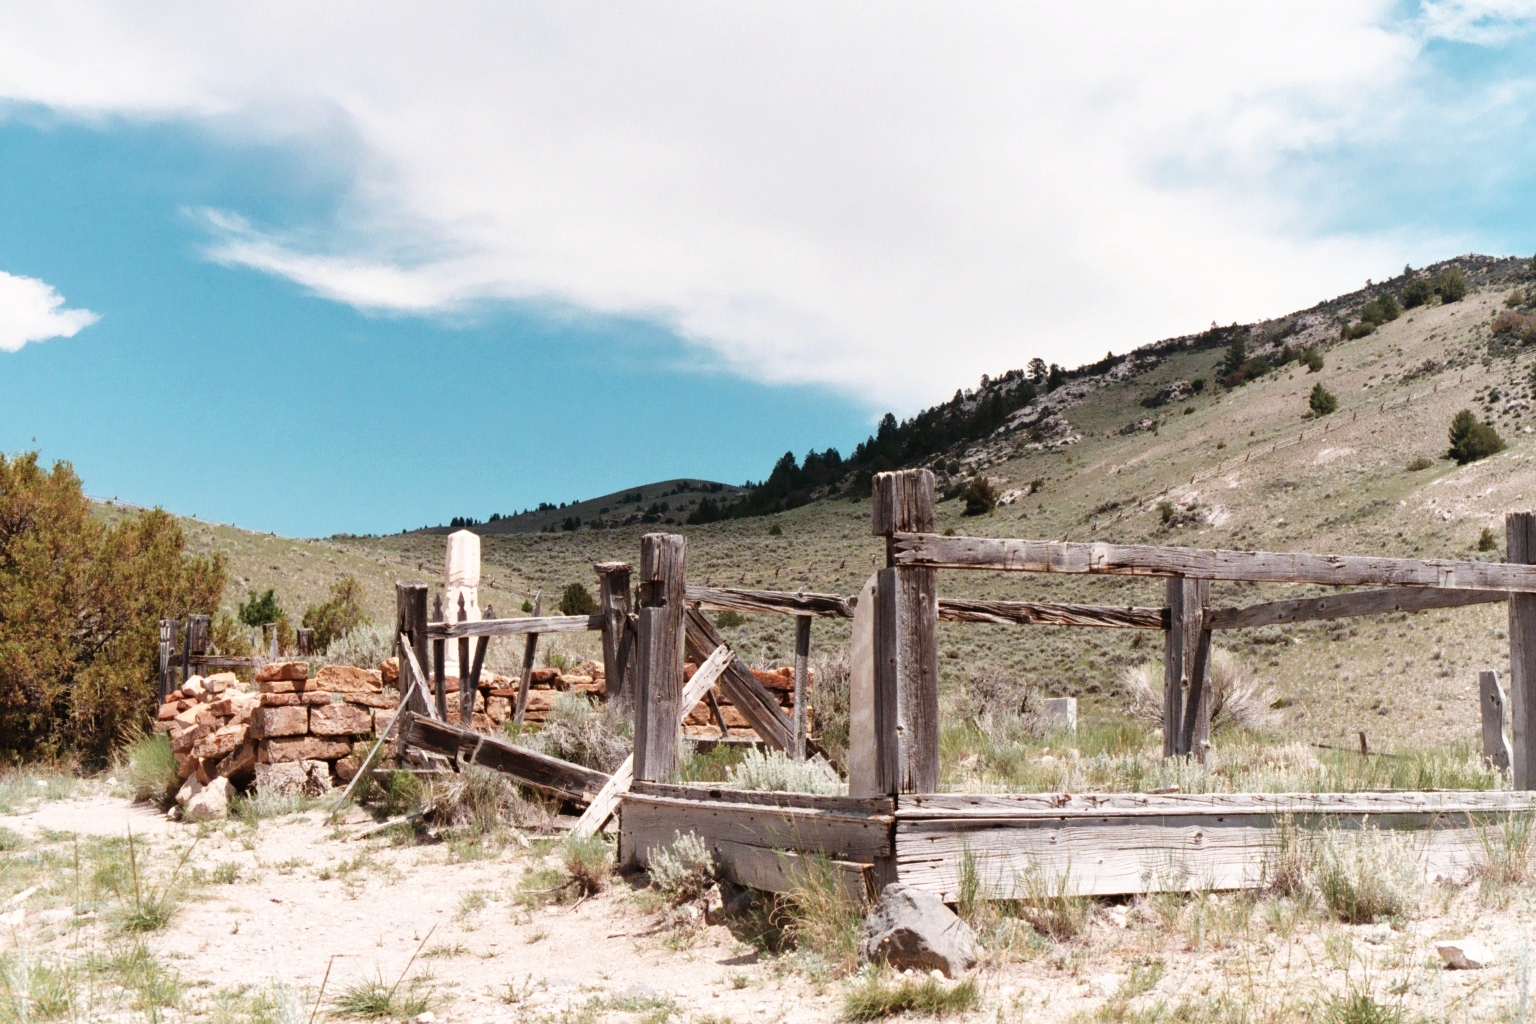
346	679
308	778
210	803
269	722
912	928
301	748
340	720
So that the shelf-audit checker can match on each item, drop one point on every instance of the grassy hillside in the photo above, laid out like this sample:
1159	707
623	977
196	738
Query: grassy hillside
1223	468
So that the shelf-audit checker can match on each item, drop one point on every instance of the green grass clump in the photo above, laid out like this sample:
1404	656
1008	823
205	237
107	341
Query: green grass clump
877	996
11	840
1357	1007
377	998
819	917
1364	876
150	771
588	863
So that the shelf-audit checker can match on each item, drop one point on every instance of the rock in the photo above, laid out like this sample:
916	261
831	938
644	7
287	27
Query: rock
543	676
1464	954
340	720
912	928
183	742
296	777
167	712
209	803
498	709
1060	713
283	671
381	719
291	700
373	700
240	765
220	744
188	790
346	679
389	671
193	688
269	722
727	901
221	681
300	748
346	768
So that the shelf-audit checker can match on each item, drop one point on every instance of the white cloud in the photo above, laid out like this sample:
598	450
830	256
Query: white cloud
30	310
888	198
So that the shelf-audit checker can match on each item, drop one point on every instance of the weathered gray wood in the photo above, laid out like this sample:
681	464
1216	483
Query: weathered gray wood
1340	606
714	709
530	648
738	683
706	792
466	695
518	627
607	801
547	774
1027	613
469	686
887	689
411	622
215	662
1494	707
907	645
773	602
1123	843
659	678
863	745
802	670
1186	666
613	598
304	641
928	549
440	678
167	641
1520	543
411	681
783	871
648	823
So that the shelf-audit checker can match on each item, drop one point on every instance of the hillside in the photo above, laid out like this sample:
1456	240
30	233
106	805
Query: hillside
1243	466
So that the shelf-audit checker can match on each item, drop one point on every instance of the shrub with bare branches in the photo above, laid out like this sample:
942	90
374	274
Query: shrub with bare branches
1238	699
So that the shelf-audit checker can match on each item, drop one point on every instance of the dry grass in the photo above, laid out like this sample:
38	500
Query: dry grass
820	919
1238	699
880	994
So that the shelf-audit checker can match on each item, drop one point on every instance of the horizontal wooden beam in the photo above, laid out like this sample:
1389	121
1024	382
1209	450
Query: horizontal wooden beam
1025	613
706	793
773	602
648	823
1341	606
220	661
935	551
782	871
548	774
514	627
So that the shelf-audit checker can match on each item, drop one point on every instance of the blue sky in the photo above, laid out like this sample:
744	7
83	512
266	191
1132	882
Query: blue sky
263	269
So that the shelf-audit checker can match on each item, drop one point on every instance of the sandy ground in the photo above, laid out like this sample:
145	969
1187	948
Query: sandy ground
309	901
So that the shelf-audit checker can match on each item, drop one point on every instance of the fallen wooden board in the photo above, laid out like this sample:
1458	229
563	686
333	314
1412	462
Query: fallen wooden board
548	774
1019	845
749	696
514	627
784	871
649	823
1340	606
939	552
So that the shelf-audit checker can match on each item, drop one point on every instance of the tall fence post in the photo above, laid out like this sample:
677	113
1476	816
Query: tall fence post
618	634
906	641
659	676
1520	540
197	638
411	621
802	672
1186	670
167	650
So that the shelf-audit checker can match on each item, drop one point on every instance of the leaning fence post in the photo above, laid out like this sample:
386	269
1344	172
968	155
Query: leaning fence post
618	636
1520	540
1493	703
906	641
659	679
411	622
1186	670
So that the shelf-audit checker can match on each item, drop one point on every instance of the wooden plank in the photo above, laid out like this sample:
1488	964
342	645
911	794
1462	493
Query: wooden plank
466	695
411	623
738	683
525	678
802	670
1494	708
703	792
1186	668
548	774
1340	606
921	806
606	802
648	823
613	598
516	627
1520	545
932	550
1027	613
908	644
440	678
776	602
863	747
659	668
217	661
783	871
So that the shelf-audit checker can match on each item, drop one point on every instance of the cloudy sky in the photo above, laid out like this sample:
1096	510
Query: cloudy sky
364	266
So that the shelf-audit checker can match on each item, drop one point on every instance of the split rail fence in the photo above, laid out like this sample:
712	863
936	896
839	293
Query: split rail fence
895	824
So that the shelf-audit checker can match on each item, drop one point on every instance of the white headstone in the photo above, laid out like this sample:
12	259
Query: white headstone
461	580
863	766
1060	714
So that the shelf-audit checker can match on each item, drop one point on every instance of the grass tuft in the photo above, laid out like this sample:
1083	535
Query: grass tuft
877	995
150	771
819	917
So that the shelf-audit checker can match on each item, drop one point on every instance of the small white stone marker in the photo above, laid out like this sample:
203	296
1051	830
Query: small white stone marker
1464	954
461	578
1060	714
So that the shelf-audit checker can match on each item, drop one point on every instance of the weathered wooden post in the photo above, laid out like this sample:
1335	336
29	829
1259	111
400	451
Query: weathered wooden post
530	648
906	638
618	635
1186	670
411	622
1520	541
659	675
197	638
470	687
439	663
1494	703
167	647
802	669
464	692
304	641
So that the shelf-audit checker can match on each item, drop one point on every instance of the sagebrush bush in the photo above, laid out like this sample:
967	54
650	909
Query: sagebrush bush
774	771
1418	293
684	869
1238	699
588	862
1419	462
480	802
1365	875
1451	285
980	496
1472	440
1312	359
364	646
596	737
335	618
829	704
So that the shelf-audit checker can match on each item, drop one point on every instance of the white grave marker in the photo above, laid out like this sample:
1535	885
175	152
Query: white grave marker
462	579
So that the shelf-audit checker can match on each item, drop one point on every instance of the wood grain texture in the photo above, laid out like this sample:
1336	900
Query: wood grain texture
1051	805
530	650
951	609
1520	541
439	678
1495	713
802	670
756	704
1340	606
775	602
1186	670
863	753
548	774
782	871
516	627
411	622
658	697
614	598
927	549
648	823
704	792
903	502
